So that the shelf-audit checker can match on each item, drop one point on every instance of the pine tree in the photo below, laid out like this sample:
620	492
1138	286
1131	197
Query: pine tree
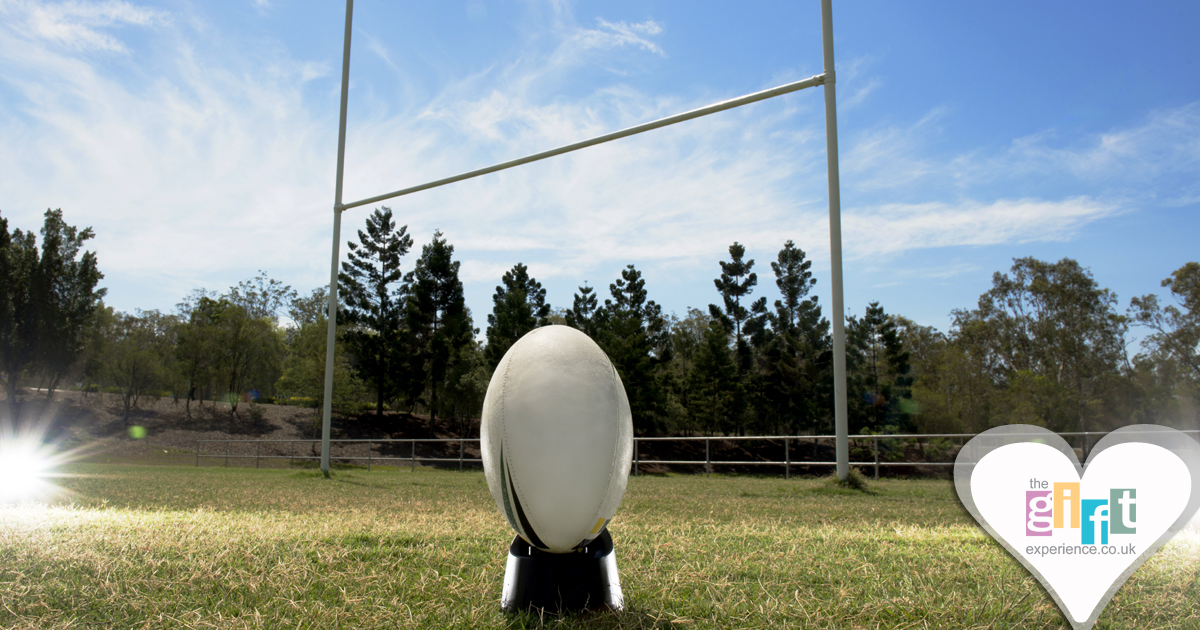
794	360
48	302
634	335
519	306
437	314
735	283
883	367
794	280
585	314
713	380
375	300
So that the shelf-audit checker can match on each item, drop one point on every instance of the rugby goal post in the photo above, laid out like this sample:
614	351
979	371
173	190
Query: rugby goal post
827	79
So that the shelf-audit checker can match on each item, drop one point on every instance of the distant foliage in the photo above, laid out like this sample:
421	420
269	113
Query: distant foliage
1044	345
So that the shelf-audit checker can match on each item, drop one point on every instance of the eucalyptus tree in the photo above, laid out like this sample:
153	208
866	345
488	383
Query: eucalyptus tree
262	296
138	355
197	345
302	374
375	298
1168	369
1052	321
1174	328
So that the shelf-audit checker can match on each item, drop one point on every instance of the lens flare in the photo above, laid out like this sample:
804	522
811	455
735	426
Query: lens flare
23	471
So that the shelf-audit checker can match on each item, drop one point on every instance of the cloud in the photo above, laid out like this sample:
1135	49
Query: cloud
860	94
77	25
1156	160
204	168
893	228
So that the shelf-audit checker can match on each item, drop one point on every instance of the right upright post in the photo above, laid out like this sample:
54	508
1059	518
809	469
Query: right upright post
841	426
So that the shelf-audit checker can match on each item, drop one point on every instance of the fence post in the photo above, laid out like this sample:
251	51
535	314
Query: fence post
227	453
412	456
787	459
292	456
461	449
197	453
707	457
876	458
368	455
635	457
257	453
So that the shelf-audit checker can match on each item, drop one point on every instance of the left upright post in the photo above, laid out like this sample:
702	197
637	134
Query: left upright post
337	239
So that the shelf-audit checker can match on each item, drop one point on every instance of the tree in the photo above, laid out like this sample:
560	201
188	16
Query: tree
138	355
885	369
519	306
1175	329
303	371
375	303
197	344
687	336
794	280
308	309
634	334
18	345
250	350
49	300
437	313
735	283
262	297
1168	369
466	386
795	358
585	314
713	380
1050	320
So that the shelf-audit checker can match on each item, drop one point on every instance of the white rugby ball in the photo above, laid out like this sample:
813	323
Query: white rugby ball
557	438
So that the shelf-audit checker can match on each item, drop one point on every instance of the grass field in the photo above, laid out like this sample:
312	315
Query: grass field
176	547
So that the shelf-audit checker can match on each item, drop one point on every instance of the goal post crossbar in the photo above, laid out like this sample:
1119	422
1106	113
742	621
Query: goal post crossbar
608	137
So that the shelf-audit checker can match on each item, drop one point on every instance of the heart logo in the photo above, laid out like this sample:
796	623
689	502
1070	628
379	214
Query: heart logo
1080	530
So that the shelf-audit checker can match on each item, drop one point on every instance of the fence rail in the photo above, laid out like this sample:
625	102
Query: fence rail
372	458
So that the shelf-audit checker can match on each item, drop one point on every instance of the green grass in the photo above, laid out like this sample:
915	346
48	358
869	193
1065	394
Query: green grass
175	547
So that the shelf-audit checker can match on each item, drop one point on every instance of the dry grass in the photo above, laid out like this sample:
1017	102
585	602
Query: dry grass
163	547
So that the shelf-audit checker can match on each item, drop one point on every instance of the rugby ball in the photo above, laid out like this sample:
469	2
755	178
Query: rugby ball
557	438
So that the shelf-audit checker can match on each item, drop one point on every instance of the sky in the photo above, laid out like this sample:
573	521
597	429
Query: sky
198	140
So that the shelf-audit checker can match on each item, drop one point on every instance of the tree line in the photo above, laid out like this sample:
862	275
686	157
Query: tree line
1046	345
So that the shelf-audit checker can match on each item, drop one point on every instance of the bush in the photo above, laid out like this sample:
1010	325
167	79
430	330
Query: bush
854	481
256	413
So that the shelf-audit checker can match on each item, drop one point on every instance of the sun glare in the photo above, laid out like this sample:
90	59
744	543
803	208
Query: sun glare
24	467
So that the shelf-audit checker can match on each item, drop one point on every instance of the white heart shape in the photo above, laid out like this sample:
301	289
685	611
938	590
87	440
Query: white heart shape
1008	485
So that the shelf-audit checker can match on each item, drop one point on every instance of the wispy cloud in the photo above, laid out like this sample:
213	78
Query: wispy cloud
211	168
79	25
893	228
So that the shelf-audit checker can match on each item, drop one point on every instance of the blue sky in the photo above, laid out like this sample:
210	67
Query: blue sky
199	139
